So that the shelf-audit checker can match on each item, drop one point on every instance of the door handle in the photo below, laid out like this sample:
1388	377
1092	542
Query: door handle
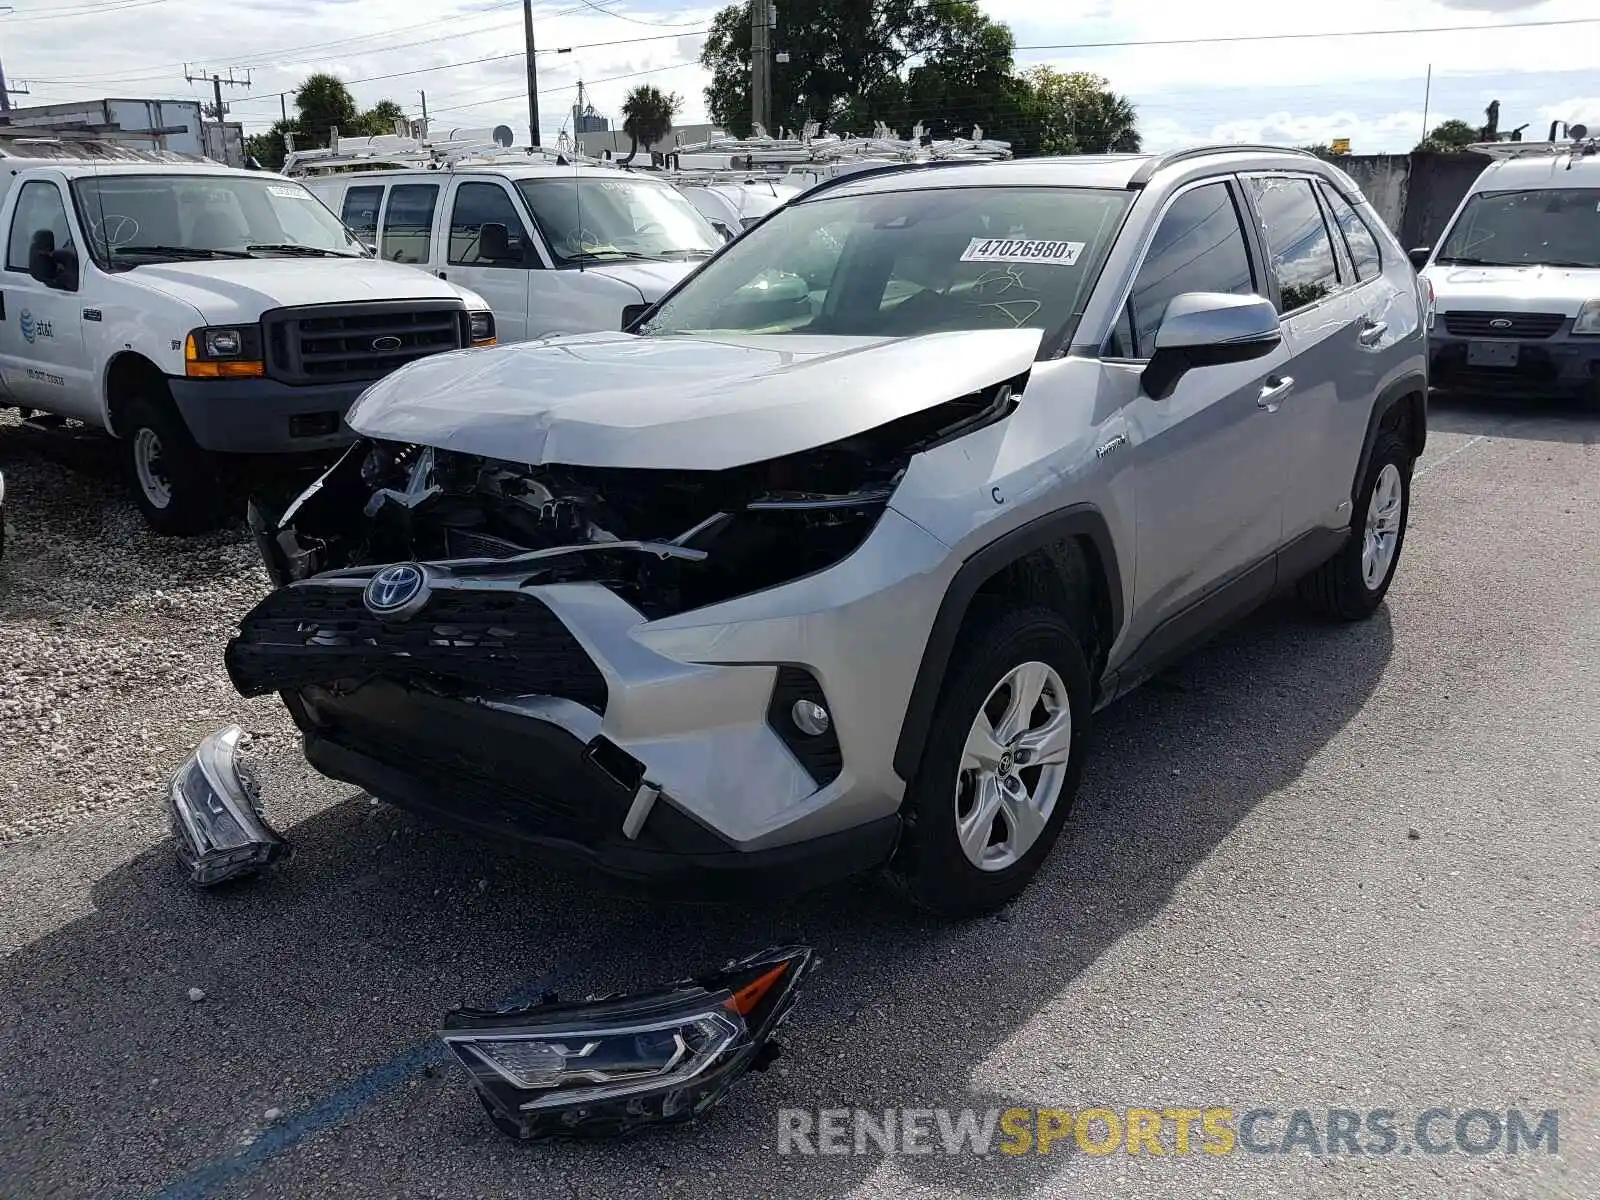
1372	332
1272	392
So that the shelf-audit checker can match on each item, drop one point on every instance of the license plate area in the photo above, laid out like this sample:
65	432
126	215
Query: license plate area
1491	354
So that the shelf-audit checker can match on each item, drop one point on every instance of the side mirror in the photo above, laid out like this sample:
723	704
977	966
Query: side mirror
494	244
1419	256
52	267
1208	329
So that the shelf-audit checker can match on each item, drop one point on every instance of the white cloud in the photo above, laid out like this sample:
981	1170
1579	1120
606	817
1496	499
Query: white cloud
1367	88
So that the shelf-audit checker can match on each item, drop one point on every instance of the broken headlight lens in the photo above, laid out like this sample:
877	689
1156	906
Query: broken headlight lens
217	822
609	1065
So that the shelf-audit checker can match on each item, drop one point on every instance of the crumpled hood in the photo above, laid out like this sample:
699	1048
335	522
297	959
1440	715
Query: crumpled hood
652	279
225	291
680	403
1514	289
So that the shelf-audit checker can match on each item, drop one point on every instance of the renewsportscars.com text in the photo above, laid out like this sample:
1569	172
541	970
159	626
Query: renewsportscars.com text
1167	1131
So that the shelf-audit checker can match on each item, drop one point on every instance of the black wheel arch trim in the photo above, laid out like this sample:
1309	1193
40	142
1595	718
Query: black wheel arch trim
1413	383
1078	520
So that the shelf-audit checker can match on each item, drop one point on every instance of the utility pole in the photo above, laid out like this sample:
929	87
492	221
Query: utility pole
761	21
283	105
6	92
198	75
1427	95
533	74
424	96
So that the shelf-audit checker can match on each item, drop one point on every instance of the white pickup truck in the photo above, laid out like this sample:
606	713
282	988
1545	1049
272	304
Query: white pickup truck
196	312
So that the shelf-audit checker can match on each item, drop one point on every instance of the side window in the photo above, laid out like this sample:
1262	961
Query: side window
408	222
360	211
39	208
1198	247
1358	237
476	205
1297	240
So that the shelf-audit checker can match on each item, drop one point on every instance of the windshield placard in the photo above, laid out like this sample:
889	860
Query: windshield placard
1022	250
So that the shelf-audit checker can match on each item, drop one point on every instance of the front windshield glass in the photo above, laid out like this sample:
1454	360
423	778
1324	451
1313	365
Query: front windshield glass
146	218
587	219
900	264
1552	226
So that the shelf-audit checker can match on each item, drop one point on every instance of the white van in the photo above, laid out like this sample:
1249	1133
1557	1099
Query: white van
196	311
553	249
1516	276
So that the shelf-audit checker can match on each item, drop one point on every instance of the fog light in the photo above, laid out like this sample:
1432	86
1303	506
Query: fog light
810	717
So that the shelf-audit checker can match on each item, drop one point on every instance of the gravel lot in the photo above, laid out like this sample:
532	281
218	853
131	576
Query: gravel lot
1312	867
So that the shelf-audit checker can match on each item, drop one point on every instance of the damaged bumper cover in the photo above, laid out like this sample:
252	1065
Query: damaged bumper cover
614	1064
218	824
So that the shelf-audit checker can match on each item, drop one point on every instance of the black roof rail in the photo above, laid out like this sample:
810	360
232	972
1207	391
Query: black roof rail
833	181
1146	170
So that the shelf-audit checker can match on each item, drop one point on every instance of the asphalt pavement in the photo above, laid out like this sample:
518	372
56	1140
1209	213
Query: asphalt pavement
1314	867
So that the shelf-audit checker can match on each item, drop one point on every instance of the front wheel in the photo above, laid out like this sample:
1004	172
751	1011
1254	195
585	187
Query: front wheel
1000	766
174	482
1352	583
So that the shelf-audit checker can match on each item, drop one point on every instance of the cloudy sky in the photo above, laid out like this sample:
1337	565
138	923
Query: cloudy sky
466	54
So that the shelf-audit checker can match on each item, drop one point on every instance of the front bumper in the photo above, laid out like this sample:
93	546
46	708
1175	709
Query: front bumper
263	416
555	715
1560	364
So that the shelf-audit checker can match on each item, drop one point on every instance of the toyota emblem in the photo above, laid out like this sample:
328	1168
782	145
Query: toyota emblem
396	592
387	342
1500	323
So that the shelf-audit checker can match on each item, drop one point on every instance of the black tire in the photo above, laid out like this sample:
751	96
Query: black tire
929	865
193	503
1338	587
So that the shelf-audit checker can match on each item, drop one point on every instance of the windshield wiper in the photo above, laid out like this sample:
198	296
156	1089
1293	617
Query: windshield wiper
303	251
1568	262
179	252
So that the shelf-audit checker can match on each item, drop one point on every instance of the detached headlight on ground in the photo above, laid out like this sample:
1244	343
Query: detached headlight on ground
217	821
607	1066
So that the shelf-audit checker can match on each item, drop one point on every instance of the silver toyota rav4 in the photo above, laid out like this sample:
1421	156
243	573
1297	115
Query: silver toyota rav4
826	563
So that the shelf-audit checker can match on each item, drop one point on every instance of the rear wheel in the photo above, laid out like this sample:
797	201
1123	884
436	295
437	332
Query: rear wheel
1352	583
174	482
1000	766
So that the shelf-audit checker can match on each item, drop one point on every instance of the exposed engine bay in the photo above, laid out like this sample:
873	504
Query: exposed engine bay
664	540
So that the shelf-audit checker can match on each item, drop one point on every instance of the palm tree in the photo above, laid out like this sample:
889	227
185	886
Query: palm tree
647	116
1105	123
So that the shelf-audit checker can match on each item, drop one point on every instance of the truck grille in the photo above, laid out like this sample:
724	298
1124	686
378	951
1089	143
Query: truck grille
354	343
506	643
1521	325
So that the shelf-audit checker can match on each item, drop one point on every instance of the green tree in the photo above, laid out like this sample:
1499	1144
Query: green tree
850	64
323	102
1451	135
647	114
379	119
1076	113
269	148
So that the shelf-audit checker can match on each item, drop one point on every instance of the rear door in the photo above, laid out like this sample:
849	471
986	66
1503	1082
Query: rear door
475	203
360	208
1324	316
1209	458
406	232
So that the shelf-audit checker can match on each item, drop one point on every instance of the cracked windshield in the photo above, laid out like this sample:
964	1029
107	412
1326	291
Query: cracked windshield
606	220
1553	227
907	263
135	219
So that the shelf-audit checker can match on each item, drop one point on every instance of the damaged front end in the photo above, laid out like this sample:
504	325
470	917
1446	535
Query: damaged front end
665	541
613	1064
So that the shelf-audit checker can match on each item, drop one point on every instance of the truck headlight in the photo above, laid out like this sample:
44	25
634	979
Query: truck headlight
480	328
224	352
1588	322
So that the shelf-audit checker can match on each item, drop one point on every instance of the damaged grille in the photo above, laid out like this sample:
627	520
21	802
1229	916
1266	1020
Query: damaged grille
496	642
351	343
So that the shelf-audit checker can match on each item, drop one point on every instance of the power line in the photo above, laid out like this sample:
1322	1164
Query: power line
472	62
635	20
86	10
567	87
1289	37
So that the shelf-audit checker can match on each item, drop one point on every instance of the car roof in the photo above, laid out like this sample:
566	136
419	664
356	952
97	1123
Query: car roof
80	169
1540	171
496	170
1075	170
